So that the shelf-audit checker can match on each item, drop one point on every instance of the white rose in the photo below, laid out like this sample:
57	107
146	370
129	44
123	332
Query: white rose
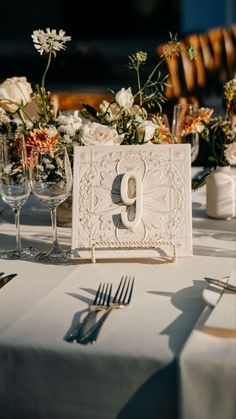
124	98
69	124
230	153
14	92
146	131
139	114
96	134
109	110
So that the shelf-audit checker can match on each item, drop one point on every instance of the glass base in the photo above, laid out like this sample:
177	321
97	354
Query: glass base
54	257
23	253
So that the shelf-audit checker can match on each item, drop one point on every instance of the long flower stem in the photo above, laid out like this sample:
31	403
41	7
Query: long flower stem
141	89
139	86
21	115
46	69
43	91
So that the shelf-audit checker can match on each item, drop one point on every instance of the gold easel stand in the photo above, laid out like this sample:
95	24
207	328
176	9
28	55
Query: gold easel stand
155	245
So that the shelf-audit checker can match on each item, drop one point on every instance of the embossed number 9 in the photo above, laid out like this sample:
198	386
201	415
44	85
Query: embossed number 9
131	191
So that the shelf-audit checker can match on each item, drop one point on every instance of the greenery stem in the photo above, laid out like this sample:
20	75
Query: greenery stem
154	70
43	91
139	86
21	115
46	69
141	89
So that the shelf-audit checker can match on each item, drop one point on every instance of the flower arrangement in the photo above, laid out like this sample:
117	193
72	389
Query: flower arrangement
221	131
124	120
127	112
220	134
31	110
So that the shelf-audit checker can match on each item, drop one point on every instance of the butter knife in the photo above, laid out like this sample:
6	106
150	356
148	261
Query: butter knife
221	284
4	280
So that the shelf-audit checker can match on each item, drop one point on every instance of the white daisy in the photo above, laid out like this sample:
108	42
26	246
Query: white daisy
49	41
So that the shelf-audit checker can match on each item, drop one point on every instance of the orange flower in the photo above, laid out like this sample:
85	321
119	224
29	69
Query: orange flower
194	123
40	139
163	132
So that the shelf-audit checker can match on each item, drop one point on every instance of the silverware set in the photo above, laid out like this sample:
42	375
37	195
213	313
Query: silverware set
5	279
222	284
87	331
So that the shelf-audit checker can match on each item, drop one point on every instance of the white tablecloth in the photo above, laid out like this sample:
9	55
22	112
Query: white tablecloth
208	375
133	369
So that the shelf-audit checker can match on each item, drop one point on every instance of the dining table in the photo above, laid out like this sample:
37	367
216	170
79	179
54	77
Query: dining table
152	359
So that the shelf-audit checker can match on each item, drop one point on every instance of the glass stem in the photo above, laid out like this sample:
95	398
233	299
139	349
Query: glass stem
16	212
55	244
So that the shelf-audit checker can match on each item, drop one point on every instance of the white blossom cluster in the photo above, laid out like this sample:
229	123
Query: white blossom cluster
49	41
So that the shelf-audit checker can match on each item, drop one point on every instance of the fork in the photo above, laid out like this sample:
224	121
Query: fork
101	302
121	299
221	284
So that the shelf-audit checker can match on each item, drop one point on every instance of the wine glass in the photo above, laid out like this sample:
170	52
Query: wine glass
14	185
51	183
183	127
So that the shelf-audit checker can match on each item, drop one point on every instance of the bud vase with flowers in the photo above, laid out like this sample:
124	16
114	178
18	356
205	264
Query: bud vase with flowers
220	133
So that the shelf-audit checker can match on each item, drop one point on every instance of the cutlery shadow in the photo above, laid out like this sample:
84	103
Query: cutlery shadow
189	300
82	297
4	280
79	314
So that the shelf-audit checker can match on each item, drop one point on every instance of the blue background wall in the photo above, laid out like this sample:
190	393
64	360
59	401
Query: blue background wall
199	15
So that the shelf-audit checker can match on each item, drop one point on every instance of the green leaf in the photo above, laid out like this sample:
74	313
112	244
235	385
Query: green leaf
200	179
91	110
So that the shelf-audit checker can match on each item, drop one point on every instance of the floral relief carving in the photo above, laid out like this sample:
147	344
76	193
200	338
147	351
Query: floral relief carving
98	204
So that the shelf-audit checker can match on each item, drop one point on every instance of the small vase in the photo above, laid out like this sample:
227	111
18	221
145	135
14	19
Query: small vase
221	193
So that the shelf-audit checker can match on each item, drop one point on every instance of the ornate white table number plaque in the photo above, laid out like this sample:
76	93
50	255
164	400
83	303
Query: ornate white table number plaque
134	199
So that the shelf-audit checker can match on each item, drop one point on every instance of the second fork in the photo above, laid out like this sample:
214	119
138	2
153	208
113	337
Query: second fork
121	299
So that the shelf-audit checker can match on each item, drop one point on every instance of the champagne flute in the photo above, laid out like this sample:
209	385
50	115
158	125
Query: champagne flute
14	185
183	127
51	183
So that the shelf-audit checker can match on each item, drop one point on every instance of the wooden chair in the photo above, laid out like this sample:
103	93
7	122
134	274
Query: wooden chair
232	29
230	51
198	62
207	55
215	38
224	55
188	69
